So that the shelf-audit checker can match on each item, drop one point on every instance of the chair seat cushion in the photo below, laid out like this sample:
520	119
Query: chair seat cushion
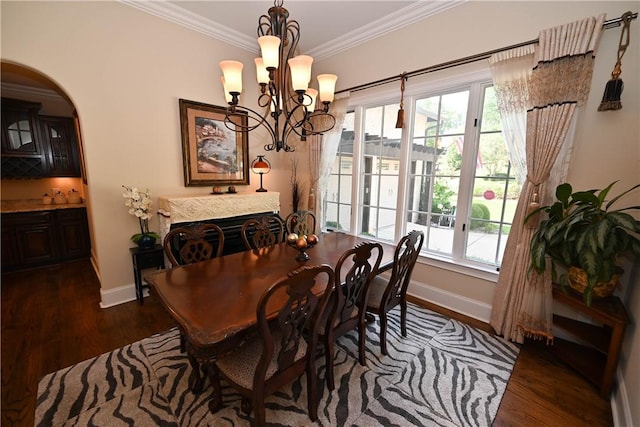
376	290
240	366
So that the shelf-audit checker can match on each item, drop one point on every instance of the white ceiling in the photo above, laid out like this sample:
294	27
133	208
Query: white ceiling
326	26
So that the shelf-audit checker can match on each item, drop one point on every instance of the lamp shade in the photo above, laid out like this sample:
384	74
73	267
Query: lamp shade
261	71
260	165
300	72
270	48
327	83
227	95
232	71
310	103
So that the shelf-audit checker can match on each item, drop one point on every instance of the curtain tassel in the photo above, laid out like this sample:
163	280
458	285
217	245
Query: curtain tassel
613	88
400	121
533	212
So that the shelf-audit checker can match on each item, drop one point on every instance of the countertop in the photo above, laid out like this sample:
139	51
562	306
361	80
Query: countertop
32	205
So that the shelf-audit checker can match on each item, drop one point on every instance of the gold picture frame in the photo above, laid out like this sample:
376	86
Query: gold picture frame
213	154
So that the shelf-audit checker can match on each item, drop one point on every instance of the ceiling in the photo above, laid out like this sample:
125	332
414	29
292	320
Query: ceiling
326	26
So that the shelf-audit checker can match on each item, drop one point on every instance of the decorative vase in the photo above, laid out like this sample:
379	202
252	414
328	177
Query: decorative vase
577	280
146	241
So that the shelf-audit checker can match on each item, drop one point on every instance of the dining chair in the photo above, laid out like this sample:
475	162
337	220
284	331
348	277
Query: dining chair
347	306
186	245
300	223
386	293
262	232
286	343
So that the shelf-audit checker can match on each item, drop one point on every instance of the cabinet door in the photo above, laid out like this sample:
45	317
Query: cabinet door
22	155
10	258
61	146
19	128
74	233
35	238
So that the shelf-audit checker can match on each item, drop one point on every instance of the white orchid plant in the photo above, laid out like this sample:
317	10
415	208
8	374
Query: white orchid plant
139	204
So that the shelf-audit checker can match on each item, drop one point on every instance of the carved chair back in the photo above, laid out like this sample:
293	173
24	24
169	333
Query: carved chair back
262	232
186	245
301	223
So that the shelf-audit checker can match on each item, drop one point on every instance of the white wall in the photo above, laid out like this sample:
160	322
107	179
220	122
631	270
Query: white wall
124	71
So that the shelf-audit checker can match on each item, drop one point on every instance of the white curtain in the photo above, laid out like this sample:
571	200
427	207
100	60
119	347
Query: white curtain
322	153
561	79
511	72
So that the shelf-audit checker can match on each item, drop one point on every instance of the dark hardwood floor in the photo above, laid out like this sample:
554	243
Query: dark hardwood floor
51	319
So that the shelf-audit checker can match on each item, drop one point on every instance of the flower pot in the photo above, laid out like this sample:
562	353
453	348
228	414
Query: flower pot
146	241
577	280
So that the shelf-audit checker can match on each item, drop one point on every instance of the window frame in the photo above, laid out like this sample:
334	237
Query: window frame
474	81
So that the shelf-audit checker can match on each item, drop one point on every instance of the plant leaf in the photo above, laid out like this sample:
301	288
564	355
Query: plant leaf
605	191
589	263
563	192
624	220
538	251
612	201
586	197
601	231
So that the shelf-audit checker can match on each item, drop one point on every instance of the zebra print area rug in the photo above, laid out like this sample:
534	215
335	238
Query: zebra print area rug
444	373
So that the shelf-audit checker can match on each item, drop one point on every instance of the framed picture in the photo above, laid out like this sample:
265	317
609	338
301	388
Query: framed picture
212	154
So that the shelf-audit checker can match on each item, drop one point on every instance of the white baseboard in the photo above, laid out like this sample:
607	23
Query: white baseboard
119	295
463	305
620	409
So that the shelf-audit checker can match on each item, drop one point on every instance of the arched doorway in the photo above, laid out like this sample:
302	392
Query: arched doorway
53	129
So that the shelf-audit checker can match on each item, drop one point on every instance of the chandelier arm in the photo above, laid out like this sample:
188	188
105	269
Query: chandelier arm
285	112
251	115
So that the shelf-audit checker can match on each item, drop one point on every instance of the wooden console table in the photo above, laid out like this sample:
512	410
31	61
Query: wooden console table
598	360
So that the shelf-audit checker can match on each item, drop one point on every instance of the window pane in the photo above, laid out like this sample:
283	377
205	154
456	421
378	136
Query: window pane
381	168
495	191
490	115
436	163
453	114
337	198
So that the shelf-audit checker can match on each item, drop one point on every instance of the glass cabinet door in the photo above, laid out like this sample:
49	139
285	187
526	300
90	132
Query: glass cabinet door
19	129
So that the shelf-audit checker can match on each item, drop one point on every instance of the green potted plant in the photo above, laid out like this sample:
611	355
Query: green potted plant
583	236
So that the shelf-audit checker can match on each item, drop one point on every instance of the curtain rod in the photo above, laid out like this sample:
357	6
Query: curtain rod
610	23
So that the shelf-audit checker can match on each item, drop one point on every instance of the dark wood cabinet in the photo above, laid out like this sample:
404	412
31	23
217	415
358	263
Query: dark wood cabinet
22	154
35	239
73	232
58	136
37	146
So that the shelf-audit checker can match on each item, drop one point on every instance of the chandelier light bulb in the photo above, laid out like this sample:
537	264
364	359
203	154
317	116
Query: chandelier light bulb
261	71
232	71
311	104
327	83
270	48
300	72
227	95
287	105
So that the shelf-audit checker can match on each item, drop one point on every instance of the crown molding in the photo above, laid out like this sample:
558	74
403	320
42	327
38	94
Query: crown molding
195	22
9	89
392	22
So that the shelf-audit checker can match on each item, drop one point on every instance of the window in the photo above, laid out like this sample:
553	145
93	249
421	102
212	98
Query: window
337	200
455	182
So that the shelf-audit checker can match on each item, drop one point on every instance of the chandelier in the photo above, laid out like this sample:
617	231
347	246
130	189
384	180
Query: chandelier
288	103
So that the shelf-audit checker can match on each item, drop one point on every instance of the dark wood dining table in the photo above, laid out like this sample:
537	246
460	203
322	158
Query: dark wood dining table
214	302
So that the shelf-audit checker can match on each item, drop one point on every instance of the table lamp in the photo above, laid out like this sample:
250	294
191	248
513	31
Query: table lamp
260	166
